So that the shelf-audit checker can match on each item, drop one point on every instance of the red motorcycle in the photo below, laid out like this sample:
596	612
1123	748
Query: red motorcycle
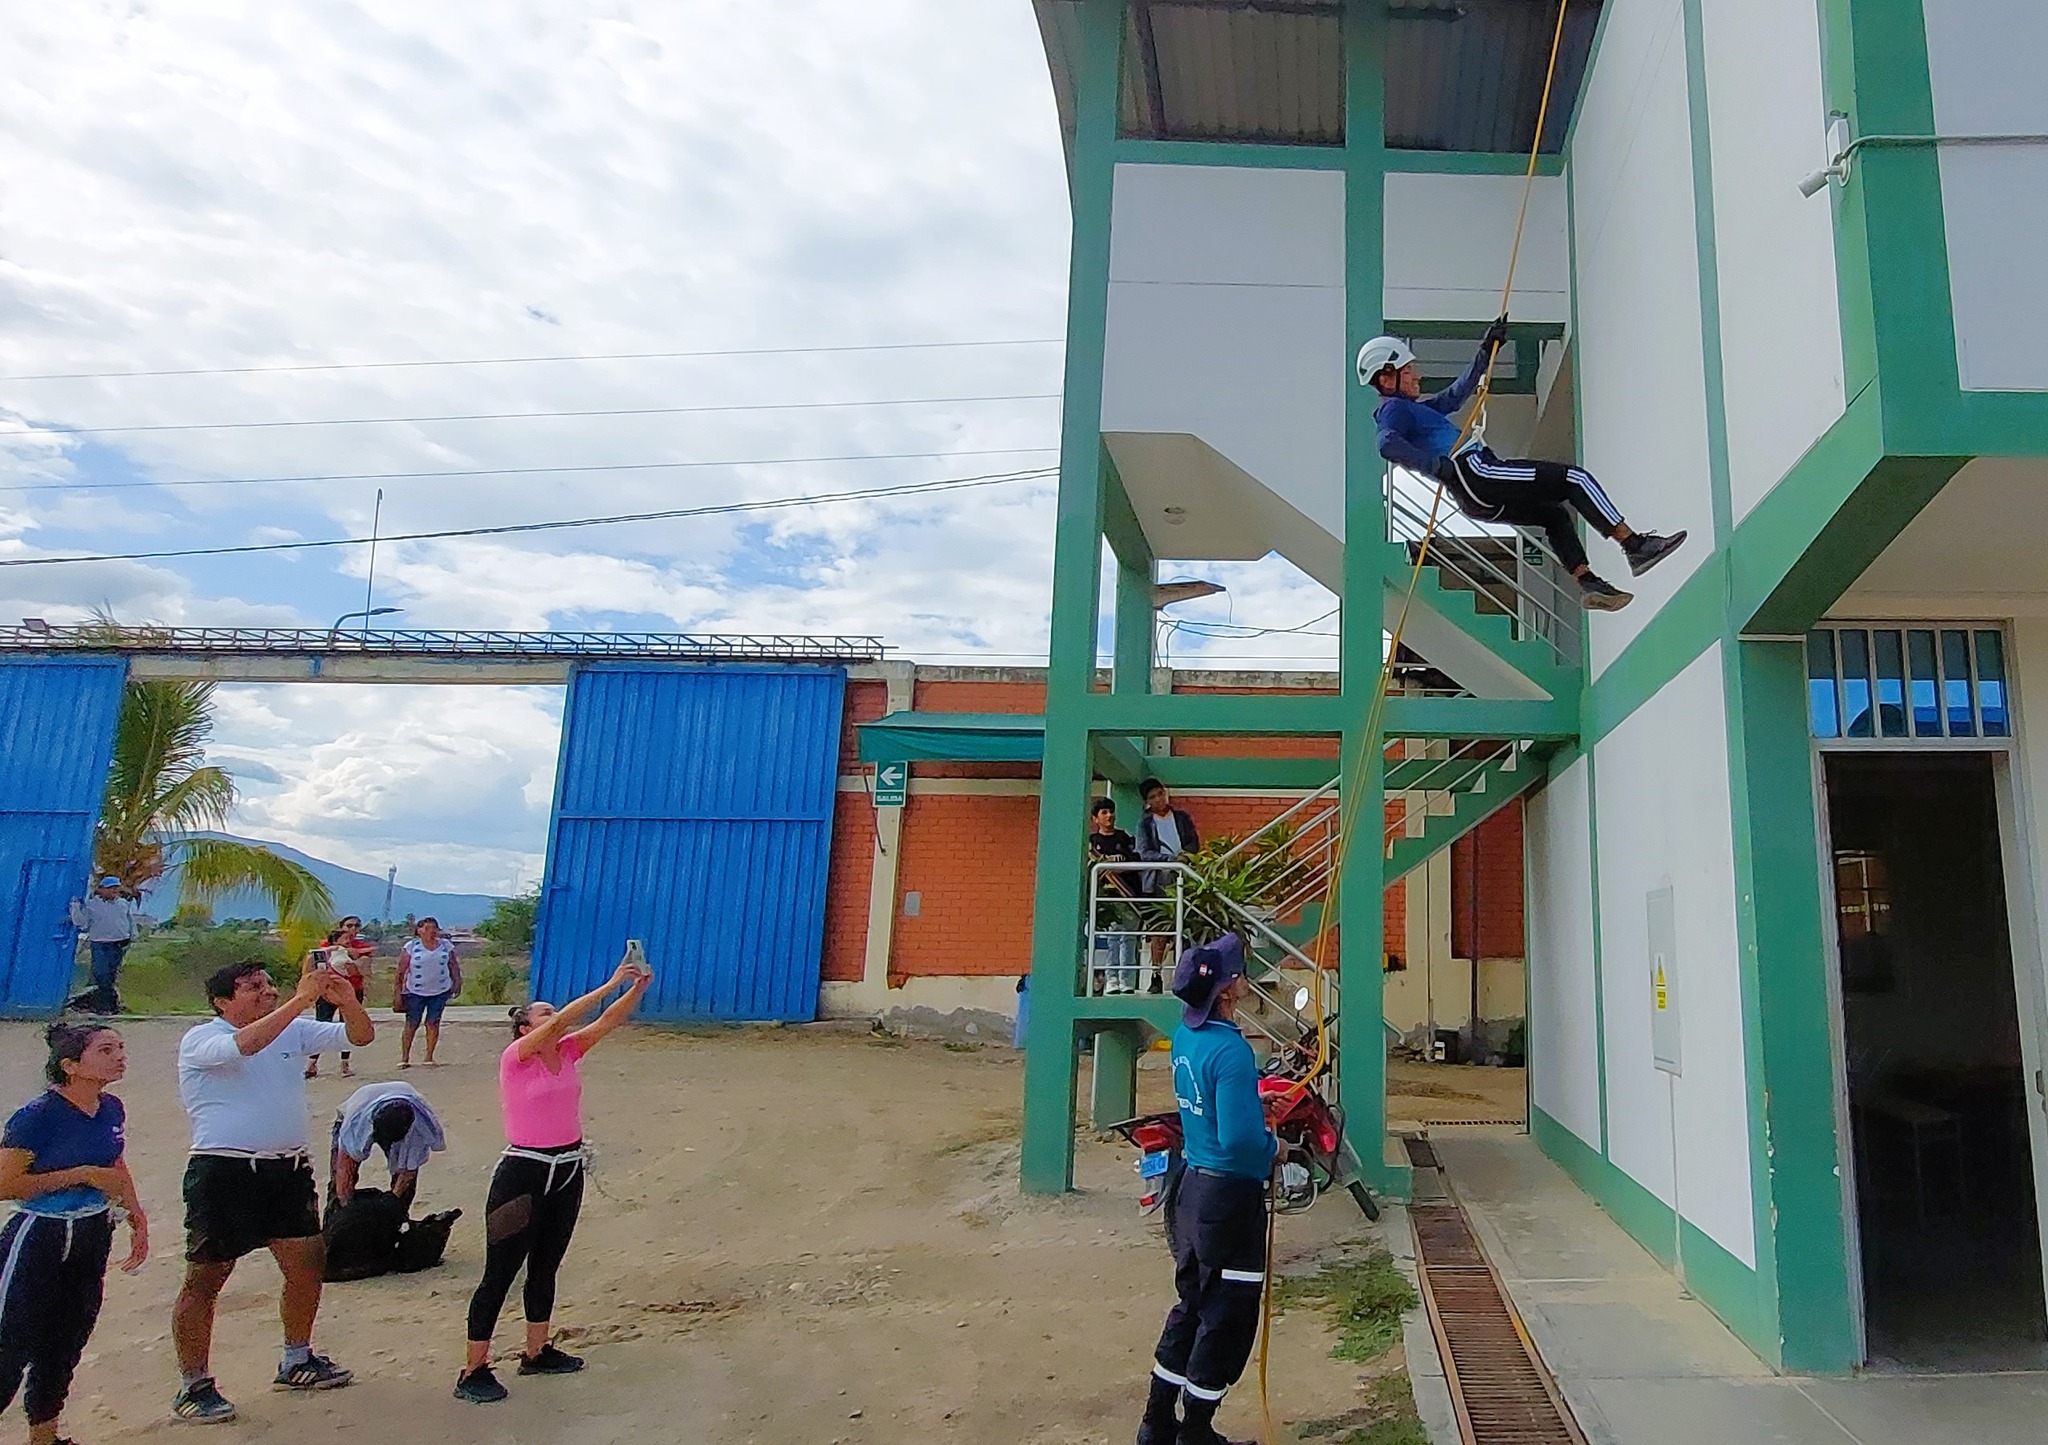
1314	1157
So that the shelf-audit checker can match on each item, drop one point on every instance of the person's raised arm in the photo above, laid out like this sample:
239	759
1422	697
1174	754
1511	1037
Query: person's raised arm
565	1019
588	1037
255	1038
337	990
1460	391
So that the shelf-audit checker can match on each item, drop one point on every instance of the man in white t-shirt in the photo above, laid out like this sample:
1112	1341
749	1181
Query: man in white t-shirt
249	1183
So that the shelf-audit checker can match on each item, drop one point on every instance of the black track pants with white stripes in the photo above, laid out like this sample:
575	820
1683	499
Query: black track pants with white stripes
52	1274
1527	493
1217	1227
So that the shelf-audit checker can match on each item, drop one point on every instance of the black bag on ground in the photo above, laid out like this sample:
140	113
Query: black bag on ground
422	1242
362	1235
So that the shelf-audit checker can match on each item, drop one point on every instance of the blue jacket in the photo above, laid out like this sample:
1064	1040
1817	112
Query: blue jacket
1216	1083
1418	435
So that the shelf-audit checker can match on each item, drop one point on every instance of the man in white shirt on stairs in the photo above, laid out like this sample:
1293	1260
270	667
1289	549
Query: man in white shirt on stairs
249	1183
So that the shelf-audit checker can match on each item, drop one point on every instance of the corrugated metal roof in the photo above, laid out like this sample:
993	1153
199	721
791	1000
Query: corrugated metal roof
56	739
1461	75
693	810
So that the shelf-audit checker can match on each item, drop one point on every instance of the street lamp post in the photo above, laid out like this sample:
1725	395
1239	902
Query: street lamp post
366	613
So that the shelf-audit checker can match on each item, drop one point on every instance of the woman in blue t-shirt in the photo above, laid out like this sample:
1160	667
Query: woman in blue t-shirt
61	1160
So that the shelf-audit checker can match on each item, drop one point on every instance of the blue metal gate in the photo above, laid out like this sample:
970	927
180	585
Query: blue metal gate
693	810
57	720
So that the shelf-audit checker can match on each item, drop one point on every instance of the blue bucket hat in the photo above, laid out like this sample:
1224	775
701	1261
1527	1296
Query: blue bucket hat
1202	974
110	882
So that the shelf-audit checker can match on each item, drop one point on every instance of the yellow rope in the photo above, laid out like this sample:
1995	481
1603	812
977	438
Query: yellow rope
1377	711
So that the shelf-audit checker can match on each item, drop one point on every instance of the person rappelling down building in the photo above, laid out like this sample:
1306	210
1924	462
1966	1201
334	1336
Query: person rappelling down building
1418	432
1215	1207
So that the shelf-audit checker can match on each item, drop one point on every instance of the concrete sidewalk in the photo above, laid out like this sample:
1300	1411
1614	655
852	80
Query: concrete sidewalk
1640	1364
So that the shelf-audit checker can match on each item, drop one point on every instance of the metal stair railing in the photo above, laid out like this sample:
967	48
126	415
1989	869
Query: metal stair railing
1535	598
1435	790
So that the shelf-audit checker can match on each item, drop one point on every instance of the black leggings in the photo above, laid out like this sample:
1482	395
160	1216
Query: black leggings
52	1275
528	1219
1523	493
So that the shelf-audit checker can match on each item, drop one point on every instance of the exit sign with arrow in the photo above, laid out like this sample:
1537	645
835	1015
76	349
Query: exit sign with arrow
892	784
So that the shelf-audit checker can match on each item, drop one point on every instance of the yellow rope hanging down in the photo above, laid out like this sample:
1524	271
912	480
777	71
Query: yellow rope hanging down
1377	711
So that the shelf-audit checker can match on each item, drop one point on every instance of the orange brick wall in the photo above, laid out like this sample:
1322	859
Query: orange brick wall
1495	848
974	861
848	878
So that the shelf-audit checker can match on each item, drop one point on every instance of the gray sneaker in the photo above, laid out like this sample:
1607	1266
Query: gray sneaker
1598	596
202	1403
315	1372
1646	549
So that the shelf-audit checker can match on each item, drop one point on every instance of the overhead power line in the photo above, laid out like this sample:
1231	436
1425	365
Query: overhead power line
532	415
519	471
947	484
292	366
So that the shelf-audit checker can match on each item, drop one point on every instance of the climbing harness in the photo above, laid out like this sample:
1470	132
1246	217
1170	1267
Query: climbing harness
1377	712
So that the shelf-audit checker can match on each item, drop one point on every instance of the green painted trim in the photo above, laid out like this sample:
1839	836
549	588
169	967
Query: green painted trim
1469	163
1758	1103
1120	760
1047	1161
1571	126
1801	1211
1251	774
1133	151
1359	893
1533	331
1599	948
1483	717
1251	715
1120	522
1162	1012
1708	261
1723	1283
1854	302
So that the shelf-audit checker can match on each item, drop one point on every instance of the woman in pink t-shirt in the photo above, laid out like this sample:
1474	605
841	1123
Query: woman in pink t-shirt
538	1187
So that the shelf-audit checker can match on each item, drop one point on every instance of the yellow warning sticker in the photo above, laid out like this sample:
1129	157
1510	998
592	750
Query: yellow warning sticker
1663	992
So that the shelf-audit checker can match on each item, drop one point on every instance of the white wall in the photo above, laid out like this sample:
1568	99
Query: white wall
1226	322
1564	1074
1638	366
1984	59
1447	244
1664	821
1781	332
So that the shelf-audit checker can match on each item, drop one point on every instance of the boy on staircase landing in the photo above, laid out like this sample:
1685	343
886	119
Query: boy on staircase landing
1417	432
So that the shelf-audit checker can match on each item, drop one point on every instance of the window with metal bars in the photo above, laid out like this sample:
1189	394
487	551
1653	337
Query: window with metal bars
1907	684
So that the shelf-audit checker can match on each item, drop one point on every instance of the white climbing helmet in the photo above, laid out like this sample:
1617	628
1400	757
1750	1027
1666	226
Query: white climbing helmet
1378	354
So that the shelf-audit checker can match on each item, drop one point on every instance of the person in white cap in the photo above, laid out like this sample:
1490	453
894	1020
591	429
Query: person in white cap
1419	433
107	922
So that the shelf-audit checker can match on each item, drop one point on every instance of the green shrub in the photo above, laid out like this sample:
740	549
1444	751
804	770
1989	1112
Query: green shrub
166	973
491	981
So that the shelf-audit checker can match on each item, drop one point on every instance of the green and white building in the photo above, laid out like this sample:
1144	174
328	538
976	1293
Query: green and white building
1786	819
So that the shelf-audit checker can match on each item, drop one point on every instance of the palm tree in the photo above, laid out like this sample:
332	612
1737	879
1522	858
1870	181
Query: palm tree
161	791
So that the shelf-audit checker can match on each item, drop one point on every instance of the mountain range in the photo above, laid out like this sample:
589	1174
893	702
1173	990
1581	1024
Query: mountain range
359	893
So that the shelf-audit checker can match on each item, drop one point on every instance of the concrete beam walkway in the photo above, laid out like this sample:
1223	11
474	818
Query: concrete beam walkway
1640	1364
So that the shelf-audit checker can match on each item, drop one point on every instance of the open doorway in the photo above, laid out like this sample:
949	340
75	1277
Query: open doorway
1944	1177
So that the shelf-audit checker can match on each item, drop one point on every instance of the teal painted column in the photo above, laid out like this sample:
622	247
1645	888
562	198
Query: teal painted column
1048	1144
1113	1096
1361	884
1778	878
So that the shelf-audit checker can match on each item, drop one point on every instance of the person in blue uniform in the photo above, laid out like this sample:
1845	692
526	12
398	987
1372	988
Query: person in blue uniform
1419	433
62	1163
1216	1210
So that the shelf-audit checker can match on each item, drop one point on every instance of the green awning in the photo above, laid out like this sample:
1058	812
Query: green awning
953	737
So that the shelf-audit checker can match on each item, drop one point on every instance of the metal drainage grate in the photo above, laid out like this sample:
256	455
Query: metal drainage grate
1499	1388
1421	1153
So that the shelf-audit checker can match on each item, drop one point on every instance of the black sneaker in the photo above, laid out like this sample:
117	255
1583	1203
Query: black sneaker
202	1403
550	1361
1597	596
480	1387
315	1372
1646	549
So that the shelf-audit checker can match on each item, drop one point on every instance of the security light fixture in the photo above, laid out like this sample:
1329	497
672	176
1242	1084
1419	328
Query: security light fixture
1165	594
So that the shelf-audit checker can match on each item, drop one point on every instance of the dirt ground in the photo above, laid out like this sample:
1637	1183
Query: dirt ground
791	1235
1447	1094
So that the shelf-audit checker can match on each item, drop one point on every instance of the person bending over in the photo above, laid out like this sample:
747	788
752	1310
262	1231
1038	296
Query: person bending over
63	1161
249	1183
537	1189
369	1232
1216	1210
1418	432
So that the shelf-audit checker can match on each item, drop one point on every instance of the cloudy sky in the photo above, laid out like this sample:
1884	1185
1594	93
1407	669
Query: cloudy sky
189	186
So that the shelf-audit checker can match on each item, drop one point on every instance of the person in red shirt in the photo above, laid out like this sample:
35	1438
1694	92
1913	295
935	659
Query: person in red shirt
347	951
